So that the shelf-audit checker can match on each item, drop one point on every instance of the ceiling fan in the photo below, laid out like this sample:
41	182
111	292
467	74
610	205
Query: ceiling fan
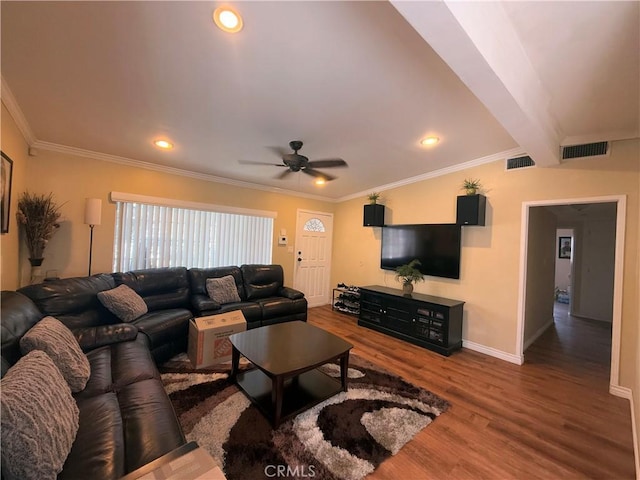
294	162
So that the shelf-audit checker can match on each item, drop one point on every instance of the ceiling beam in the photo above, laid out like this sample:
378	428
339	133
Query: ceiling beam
479	43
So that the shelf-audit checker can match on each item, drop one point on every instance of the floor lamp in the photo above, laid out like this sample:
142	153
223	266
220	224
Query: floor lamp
92	217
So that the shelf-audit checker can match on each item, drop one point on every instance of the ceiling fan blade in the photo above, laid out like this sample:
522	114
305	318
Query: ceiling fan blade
247	162
317	174
283	174
328	163
279	151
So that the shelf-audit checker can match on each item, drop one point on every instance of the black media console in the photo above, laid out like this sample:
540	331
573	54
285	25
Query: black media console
431	322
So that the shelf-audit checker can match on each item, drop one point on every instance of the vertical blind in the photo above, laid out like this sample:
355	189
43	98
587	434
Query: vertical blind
152	236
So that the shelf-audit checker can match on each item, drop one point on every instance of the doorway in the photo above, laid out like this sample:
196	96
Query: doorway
312	269
537	270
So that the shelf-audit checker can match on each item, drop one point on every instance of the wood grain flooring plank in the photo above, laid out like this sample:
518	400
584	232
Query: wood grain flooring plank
550	418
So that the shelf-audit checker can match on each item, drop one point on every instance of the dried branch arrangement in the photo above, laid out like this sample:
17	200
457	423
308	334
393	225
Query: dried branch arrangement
38	216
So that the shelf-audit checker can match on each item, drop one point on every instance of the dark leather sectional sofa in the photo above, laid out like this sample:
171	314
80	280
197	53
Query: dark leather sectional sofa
263	298
126	418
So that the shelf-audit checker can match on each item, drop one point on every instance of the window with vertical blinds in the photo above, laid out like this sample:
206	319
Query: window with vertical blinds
151	236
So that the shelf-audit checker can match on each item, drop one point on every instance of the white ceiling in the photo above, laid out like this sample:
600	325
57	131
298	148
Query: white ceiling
363	81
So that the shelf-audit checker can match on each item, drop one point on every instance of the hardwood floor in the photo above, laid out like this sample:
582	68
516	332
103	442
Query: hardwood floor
549	418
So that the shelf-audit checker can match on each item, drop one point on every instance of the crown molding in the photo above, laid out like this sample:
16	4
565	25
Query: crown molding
15	111
439	173
105	157
6	95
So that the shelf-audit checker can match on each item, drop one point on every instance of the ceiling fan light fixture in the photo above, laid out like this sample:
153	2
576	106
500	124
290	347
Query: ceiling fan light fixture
294	162
428	141
227	19
163	144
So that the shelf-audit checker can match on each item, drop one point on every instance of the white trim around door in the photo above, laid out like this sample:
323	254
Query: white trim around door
313	252
621	210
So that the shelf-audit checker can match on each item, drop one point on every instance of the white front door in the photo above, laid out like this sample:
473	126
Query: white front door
314	233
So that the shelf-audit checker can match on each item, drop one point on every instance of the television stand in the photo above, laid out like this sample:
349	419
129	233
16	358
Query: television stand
430	322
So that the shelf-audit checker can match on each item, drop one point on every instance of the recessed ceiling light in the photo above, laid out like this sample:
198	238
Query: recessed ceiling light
320	181
429	141
164	144
227	19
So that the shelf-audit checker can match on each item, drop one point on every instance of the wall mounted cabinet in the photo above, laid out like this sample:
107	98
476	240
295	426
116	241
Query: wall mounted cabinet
373	215
471	210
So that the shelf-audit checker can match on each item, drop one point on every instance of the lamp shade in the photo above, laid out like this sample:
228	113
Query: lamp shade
92	211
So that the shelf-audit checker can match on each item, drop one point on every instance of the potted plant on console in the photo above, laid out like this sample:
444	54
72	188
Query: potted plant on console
408	274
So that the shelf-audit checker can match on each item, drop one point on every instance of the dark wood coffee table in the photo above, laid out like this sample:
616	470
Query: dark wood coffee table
287	355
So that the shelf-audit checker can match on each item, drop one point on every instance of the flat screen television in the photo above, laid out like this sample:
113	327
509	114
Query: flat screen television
437	246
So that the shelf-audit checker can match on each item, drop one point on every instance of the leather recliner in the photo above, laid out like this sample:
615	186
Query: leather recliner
166	293
264	300
202	305
74	302
126	418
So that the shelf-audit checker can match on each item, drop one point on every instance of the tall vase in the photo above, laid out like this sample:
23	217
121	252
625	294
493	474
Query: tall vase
36	262
36	271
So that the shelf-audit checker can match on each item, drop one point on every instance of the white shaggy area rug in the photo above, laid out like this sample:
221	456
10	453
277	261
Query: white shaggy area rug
343	438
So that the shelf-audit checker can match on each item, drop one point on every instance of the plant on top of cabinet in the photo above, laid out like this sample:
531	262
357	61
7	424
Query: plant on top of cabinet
373	197
471	185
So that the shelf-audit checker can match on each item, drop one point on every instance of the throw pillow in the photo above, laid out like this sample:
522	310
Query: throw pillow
54	338
123	302
40	419
222	290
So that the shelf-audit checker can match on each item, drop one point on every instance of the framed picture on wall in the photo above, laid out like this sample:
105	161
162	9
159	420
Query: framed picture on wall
564	247
5	192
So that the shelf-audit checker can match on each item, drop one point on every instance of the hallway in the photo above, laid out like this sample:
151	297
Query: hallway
575	345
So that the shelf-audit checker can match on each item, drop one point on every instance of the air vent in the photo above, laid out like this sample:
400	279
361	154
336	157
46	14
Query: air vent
520	162
586	150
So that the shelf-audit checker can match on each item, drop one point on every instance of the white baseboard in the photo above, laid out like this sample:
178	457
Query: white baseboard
535	336
493	352
636	433
622	392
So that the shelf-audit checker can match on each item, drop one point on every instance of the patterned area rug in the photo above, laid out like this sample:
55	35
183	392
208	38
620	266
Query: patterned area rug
343	438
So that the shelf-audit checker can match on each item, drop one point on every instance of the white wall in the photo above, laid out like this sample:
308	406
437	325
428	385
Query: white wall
541	250
490	270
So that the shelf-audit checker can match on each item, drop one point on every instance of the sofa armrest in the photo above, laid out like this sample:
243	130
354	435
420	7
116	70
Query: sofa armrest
93	337
290	293
203	303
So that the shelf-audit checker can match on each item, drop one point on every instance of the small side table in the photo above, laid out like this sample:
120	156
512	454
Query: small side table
187	461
